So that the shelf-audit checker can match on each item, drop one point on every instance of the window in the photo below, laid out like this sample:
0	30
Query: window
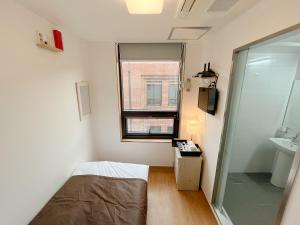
155	129
154	91
170	130
172	95
149	79
148	126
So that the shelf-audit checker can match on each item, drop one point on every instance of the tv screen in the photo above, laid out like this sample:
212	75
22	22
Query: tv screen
208	99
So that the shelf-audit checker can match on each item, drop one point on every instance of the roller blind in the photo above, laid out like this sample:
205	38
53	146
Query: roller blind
151	51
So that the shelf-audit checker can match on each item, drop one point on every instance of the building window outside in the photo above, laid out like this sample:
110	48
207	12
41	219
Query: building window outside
154	93
172	94
169	130
155	129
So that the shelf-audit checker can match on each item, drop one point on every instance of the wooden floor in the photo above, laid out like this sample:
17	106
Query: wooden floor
168	206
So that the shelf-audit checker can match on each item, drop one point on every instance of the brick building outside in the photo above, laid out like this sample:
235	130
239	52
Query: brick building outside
150	86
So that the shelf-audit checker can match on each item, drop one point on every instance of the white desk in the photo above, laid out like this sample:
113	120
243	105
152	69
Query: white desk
187	171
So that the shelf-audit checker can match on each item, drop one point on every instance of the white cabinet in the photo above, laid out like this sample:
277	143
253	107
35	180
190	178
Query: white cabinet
187	171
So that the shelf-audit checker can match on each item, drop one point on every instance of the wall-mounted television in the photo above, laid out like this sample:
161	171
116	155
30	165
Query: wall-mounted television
208	99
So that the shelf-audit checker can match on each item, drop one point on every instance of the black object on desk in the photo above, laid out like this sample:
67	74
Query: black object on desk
185	149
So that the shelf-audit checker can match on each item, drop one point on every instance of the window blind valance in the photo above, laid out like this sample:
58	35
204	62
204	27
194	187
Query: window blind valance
151	51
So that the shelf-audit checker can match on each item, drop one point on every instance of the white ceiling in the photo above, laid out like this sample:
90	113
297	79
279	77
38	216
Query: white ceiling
109	20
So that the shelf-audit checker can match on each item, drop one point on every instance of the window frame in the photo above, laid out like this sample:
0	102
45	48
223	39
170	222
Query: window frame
124	115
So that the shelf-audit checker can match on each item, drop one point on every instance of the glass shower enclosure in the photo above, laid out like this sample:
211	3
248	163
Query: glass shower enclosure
259	156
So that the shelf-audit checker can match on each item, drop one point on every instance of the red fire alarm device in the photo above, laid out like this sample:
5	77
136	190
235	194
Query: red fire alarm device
58	39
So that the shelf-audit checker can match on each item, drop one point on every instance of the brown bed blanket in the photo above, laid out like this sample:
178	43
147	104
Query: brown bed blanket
96	200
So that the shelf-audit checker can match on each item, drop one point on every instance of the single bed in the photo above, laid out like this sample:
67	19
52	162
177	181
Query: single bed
99	193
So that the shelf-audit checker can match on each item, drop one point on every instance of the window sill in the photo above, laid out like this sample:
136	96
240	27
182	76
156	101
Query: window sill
148	140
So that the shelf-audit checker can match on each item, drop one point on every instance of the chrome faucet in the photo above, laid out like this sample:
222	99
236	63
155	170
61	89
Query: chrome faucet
295	138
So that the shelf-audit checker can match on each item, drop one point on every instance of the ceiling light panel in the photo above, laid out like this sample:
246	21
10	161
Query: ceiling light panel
187	33
145	6
222	5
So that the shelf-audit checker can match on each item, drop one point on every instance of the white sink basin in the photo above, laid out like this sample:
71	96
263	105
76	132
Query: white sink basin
283	161
284	144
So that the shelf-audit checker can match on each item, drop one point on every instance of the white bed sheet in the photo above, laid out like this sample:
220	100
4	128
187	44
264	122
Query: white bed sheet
113	169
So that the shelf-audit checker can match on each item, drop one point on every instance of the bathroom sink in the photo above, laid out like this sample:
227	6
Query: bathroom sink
283	160
284	144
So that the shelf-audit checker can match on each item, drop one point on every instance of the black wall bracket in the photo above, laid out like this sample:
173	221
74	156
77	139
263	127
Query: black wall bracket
208	74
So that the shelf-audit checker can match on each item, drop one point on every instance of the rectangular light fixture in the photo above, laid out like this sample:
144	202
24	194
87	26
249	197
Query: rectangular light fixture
145	6
222	5
187	33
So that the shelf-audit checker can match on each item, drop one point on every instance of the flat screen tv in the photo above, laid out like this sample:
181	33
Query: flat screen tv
208	99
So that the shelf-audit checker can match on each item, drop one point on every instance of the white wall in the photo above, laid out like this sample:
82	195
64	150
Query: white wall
41	138
265	18
266	89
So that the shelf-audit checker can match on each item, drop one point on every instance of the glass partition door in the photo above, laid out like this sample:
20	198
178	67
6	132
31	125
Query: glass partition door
260	138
